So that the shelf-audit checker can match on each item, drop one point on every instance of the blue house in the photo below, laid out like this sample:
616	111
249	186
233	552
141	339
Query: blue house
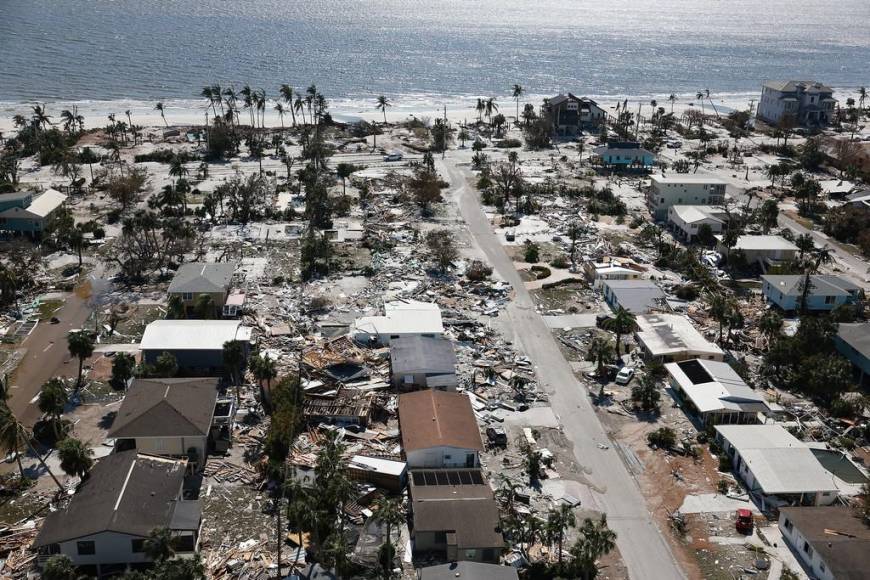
23	213
624	155
826	292
853	342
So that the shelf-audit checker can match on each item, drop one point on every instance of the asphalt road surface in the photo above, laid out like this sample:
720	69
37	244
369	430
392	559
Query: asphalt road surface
644	549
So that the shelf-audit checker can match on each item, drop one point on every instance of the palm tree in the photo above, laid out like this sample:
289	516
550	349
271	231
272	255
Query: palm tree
558	522
343	171
712	104
70	119
159	107
52	402
600	351
770	324
820	256
80	345
261	100
281	112
390	514
287	93
159	547
75	458
595	540
383	103
217	95
517	93
14	436
719	310
208	94
40	117
299	107
490	108
234	358
700	97
463	136
673	99
177	169
805	244
480	107
622	322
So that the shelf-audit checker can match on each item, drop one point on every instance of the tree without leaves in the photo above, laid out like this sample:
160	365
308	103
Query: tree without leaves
442	248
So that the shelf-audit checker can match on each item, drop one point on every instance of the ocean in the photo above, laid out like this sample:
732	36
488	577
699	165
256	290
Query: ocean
140	51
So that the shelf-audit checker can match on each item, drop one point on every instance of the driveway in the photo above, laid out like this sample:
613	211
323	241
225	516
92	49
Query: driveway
644	549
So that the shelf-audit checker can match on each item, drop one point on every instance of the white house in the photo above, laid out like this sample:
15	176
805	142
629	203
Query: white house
671	337
683	189
169	417
197	345
806	103
611	268
777	468
825	292
831	543
766	251
713	391
439	430
104	526
401	318
686	220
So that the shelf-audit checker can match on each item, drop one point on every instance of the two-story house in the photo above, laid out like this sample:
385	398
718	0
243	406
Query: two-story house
194	279
804	103
682	189
570	114
26	213
825	292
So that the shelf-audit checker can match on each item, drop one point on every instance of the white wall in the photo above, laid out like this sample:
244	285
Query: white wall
437	457
810	559
171	446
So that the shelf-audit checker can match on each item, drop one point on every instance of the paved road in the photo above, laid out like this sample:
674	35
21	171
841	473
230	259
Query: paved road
642	545
47	357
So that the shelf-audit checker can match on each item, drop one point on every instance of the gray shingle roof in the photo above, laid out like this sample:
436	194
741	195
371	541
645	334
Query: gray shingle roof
637	296
821	284
846	551
422	354
166	408
126	493
468	571
856	335
202	277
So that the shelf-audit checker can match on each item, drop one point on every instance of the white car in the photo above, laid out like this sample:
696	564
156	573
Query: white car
393	156
624	376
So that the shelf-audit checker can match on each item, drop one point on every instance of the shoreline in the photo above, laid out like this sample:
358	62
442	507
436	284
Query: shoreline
186	112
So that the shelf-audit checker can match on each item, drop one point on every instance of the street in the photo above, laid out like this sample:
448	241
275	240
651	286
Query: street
644	549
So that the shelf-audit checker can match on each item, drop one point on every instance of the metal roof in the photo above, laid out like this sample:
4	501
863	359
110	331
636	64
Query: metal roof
193	334
670	334
820	284
411	354
715	386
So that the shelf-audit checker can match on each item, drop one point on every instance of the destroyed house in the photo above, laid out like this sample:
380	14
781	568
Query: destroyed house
168	417
467	571
195	279
420	362
381	472
197	345
777	468
439	429
830	542
714	392
636	296
671	338
104	527
825	292
342	410
402	318
454	516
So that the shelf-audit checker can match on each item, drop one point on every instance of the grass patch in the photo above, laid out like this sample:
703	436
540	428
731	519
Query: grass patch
48	308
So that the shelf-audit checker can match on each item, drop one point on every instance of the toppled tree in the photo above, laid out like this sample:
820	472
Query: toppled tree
442	248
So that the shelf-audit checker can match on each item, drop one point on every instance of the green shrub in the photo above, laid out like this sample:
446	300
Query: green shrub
509	143
531	253
663	438
560	261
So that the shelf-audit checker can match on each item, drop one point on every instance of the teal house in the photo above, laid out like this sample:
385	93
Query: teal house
26	213
624	155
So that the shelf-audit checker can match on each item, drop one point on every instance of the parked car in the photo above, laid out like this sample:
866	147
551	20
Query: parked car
624	376
393	156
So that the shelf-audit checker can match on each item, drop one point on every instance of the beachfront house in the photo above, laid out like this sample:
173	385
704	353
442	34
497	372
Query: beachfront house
777	468
454	516
195	279
796	103
825	292
672	338
570	114
611	268
421	362
439	429
853	342
197	345
686	221
831	543
620	155
401	318
167	417
715	393
636	296
26	213
682	189
766	251
105	524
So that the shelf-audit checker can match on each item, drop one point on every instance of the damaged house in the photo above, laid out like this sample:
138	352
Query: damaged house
671	338
825	292
197	345
439	429
214	280
402	318
714	392
421	362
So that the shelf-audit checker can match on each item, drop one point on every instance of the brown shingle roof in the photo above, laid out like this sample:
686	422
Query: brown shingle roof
838	535
434	418
166	408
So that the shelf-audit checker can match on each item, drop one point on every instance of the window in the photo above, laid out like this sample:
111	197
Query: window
187	295
86	548
808	550
829	299
788	524
440	537
137	546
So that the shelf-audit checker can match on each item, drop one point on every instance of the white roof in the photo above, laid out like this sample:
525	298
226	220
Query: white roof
779	462
749	242
404	317
378	465
46	203
670	334
678	178
193	334
696	213
830	186
715	387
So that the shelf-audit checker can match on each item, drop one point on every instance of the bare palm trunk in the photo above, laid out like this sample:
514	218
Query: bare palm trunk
43	464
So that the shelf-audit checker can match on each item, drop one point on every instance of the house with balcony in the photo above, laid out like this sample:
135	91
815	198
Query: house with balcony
683	189
623	155
802	103
195	279
570	114
26	213
104	526
686	221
